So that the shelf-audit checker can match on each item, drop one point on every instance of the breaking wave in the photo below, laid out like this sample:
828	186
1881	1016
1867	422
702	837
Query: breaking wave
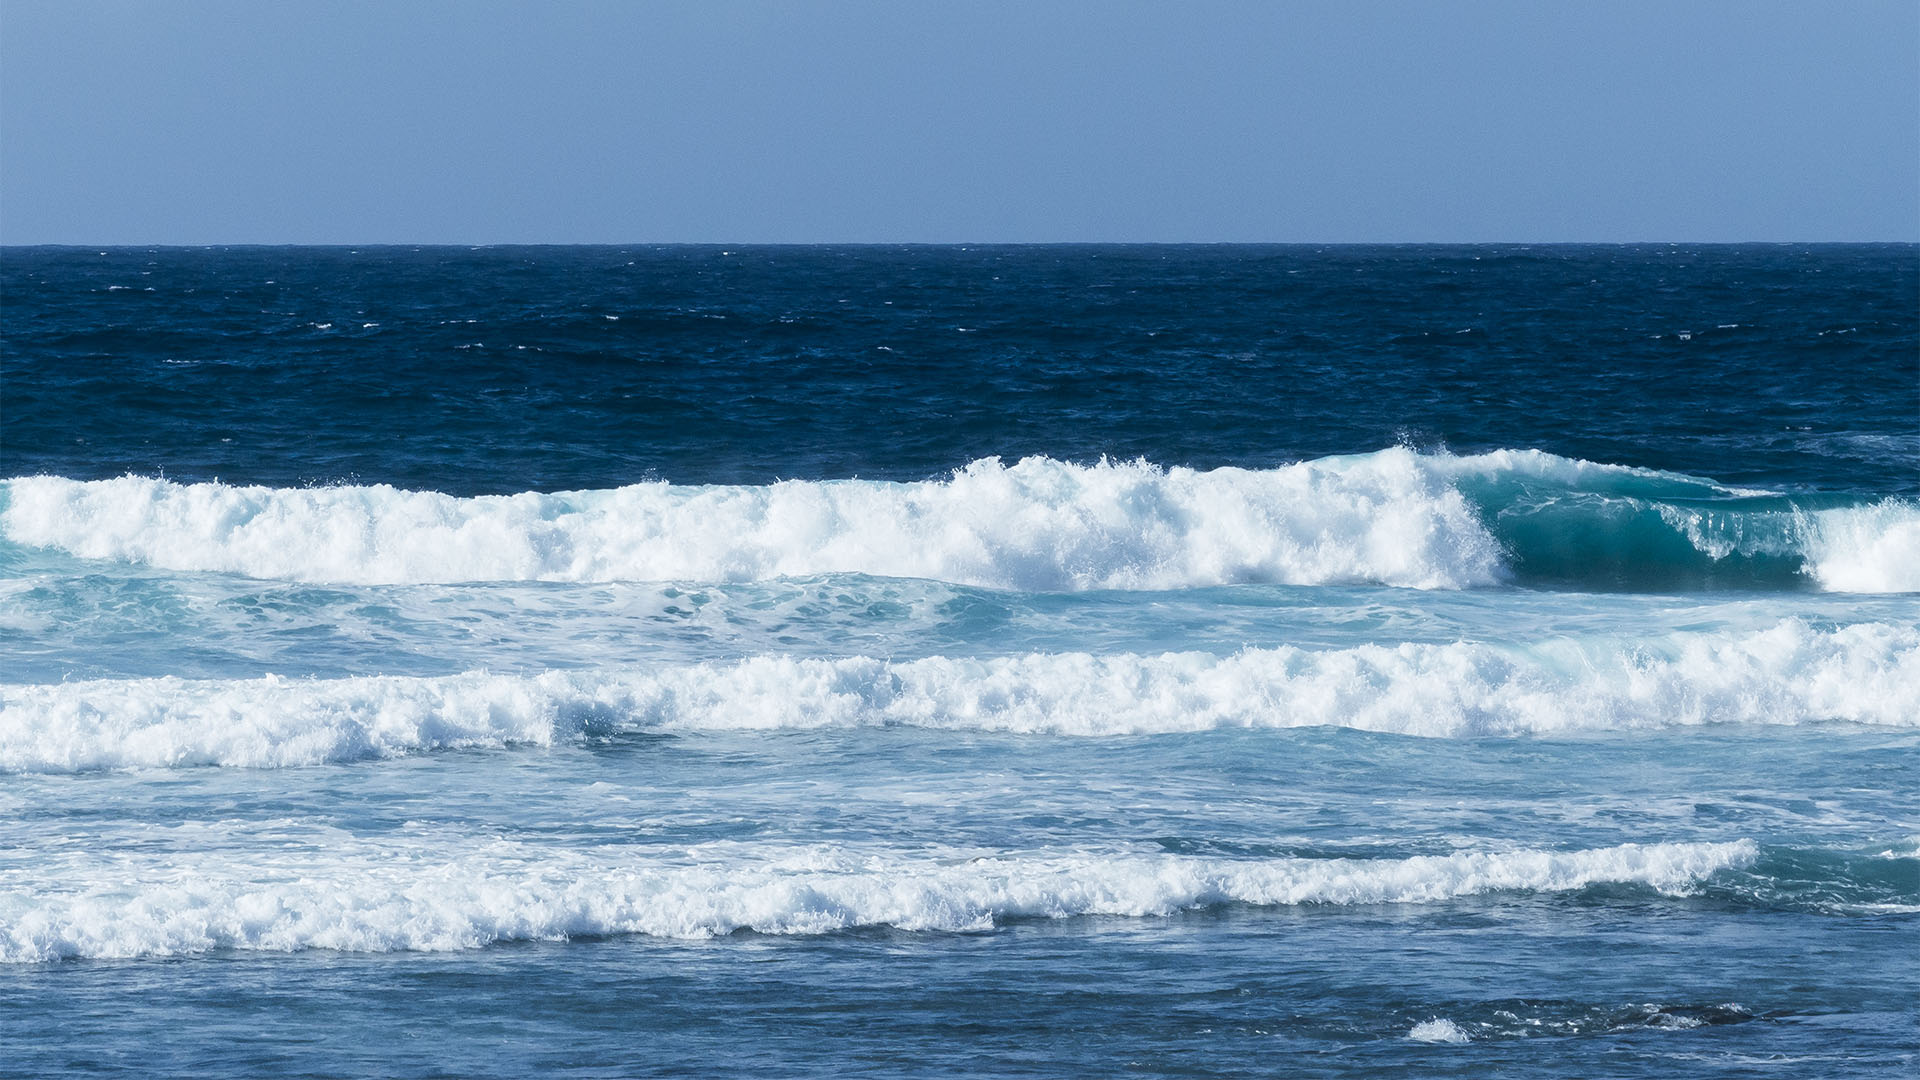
1793	672
1037	525
360	897
1394	517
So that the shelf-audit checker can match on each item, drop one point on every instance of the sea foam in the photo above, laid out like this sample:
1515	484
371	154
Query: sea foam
354	895
1438	1030
1040	524
1393	517
1792	672
1867	549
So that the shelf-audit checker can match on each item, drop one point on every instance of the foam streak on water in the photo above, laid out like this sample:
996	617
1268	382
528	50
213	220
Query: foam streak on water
992	661
1790	674
412	898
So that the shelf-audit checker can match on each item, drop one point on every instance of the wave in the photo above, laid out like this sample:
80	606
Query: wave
1527	1018
420	899
1393	517
1438	1030
1598	541
1867	549
1038	525
1793	672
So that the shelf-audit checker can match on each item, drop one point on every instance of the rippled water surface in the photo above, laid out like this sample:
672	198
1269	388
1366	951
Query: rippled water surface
1221	661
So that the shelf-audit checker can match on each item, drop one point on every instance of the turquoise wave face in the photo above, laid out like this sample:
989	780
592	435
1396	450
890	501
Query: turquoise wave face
1673	533
1394	517
829	662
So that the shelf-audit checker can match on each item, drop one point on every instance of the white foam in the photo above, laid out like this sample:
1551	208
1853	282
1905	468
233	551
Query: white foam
1391	517
1867	673
431	895
1858	549
1541	465
1868	548
1437	1030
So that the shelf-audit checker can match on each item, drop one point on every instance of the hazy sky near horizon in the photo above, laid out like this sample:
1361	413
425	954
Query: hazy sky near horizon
862	120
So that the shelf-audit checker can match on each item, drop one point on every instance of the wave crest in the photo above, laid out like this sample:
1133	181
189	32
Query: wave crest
1394	517
418	899
1866	673
1038	525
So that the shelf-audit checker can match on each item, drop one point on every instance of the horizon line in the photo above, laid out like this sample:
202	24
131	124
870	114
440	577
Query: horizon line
482	245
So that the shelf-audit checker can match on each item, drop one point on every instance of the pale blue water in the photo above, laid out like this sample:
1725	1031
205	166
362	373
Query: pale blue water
1539	699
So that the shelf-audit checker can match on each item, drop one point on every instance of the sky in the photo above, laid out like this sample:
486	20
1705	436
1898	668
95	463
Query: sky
404	121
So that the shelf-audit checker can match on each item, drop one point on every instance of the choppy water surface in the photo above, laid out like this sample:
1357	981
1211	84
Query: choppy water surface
1048	661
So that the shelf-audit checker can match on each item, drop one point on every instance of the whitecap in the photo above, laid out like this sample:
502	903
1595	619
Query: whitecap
1437	1030
435	894
1790	673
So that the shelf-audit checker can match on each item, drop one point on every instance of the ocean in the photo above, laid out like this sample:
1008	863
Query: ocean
1348	661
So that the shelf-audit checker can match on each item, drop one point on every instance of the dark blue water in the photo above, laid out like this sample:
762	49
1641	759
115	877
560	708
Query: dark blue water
1174	661
601	366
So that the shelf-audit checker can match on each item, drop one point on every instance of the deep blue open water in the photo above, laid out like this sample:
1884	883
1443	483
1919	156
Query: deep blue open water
991	661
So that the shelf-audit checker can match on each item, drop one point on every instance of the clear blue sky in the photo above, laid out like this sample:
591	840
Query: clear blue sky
474	122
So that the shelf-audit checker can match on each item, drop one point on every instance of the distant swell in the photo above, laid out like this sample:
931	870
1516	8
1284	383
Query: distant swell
422	898
1393	518
1792	673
